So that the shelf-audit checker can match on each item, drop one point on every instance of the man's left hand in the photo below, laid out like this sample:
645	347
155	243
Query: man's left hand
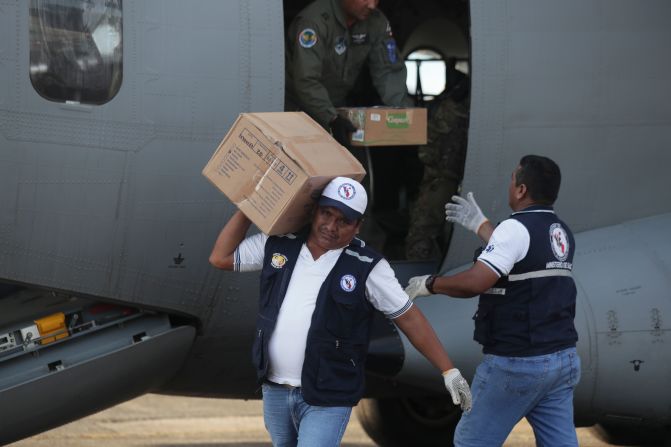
458	388
417	287
465	212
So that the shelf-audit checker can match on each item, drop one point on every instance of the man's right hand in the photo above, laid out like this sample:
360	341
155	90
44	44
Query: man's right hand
342	129
465	212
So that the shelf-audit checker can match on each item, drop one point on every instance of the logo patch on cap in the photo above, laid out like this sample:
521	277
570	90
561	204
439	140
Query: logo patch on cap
278	260
559	242
346	191
348	283
307	38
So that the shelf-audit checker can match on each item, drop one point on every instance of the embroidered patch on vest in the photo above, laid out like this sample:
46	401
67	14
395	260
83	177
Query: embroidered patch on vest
278	260
559	242
307	38
348	283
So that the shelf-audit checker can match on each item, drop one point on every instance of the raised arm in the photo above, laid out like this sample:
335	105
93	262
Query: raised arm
466	212
228	240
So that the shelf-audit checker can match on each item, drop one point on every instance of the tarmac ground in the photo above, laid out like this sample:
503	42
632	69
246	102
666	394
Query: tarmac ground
166	421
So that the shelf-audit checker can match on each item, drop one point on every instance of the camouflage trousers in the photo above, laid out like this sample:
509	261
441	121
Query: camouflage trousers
429	233
443	158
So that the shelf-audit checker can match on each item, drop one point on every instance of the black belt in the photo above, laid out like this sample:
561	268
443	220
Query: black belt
283	385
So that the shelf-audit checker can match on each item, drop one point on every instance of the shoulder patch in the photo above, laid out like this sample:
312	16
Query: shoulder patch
559	242
307	38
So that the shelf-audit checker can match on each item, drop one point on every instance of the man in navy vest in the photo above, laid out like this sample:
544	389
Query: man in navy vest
319	289
524	320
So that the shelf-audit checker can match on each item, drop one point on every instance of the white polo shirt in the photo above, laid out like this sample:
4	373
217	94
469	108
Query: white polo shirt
286	347
507	246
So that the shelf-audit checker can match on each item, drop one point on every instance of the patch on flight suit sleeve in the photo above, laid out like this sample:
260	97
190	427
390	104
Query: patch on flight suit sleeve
392	55
388	31
307	38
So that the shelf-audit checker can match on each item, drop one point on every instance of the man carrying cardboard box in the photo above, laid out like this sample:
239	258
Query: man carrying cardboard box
274	165
319	290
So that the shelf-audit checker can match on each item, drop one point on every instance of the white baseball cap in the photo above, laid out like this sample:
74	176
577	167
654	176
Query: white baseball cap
347	195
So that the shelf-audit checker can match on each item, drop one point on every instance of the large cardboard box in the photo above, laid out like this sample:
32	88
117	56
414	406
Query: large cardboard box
386	126
274	166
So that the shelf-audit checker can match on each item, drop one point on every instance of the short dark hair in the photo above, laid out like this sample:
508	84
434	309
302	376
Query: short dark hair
541	176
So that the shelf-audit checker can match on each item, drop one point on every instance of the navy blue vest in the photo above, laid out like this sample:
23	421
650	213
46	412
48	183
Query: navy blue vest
337	342
531	311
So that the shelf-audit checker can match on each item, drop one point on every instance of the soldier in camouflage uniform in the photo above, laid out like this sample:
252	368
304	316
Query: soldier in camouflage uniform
328	44
443	158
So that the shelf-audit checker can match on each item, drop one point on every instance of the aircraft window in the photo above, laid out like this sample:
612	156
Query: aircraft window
426	73
76	49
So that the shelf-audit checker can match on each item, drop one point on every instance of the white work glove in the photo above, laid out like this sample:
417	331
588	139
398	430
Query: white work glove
465	212
417	287
458	388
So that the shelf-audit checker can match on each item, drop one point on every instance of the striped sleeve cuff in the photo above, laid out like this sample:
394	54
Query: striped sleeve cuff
236	260
491	266
401	311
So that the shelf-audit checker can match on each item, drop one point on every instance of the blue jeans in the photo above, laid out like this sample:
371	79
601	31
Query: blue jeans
506	389
292	422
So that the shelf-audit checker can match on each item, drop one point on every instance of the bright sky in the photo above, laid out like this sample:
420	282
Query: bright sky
431	72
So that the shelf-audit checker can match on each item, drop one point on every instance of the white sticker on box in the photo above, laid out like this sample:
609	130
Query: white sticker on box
375	117
358	135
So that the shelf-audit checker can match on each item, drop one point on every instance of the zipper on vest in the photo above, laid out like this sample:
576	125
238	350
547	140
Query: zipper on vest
337	345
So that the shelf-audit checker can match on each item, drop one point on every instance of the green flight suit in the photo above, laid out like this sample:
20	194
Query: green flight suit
324	59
